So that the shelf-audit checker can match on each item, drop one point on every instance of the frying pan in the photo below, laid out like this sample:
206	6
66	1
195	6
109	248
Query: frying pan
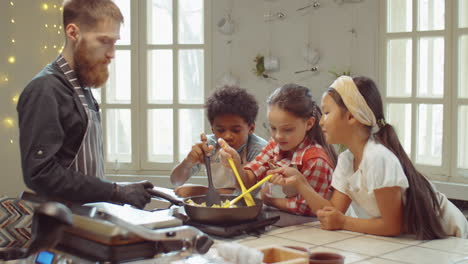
210	215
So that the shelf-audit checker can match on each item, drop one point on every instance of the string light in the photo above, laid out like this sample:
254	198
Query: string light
3	78
8	122
11	59
15	98
45	6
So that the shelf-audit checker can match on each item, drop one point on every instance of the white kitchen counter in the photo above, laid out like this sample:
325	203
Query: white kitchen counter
361	248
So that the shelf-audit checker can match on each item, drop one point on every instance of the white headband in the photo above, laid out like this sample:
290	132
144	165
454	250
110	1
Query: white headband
354	101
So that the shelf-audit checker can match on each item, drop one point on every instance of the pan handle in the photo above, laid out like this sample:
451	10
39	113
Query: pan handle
165	196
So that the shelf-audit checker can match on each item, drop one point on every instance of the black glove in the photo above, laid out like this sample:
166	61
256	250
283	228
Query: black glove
132	193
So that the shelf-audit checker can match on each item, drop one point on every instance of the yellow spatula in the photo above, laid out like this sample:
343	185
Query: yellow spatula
249	201
235	200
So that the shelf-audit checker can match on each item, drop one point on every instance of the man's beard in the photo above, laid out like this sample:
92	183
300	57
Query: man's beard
90	72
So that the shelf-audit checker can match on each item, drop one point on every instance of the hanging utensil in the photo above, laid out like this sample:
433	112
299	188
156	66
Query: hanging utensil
212	196
235	200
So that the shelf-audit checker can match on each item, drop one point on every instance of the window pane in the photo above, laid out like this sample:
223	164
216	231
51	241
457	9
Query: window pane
431	14
160	135
400	16
119	135
462	137
125	34
160	74
431	67
399	61
97	94
159	21
118	88
190	21
429	134
463	13
399	116
463	67
191	77
191	125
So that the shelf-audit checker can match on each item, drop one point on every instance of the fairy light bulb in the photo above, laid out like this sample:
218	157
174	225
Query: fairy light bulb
11	141
13	41
8	122
46	25
15	98
11	59
12	21
12	4
45	6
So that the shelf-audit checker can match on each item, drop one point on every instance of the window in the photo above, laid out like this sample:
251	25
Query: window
425	64
152	104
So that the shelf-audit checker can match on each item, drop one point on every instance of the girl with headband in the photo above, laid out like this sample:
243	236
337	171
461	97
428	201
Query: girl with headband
375	175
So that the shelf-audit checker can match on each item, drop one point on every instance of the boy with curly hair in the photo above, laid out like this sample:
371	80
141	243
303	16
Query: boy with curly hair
232	112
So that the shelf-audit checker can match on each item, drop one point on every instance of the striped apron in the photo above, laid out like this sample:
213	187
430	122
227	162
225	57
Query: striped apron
89	159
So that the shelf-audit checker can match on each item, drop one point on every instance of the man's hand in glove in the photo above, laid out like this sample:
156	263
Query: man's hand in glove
132	193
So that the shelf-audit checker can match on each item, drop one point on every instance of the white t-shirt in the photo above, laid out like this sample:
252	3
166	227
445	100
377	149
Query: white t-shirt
380	168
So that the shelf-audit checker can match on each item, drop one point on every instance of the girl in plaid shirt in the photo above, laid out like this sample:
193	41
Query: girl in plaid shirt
296	141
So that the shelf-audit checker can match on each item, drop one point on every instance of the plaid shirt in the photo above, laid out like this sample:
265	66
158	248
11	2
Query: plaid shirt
318	171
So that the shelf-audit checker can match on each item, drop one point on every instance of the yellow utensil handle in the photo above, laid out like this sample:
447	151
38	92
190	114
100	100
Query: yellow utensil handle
235	200
234	169
248	199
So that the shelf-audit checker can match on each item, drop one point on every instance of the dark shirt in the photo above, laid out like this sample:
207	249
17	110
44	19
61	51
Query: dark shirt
52	124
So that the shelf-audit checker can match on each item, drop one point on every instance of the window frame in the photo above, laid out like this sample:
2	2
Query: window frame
448	171
139	105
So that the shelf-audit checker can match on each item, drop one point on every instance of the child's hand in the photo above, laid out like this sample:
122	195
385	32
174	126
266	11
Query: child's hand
331	218
196	155
227	152
286	176
266	194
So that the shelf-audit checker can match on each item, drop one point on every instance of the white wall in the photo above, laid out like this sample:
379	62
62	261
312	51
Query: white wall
329	33
329	29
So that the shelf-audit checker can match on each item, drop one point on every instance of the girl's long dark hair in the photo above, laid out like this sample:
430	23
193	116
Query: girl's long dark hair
298	100
421	213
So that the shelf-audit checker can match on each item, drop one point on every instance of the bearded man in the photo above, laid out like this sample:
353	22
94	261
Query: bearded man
59	119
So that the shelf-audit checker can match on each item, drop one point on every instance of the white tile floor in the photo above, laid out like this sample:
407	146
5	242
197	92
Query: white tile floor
364	249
